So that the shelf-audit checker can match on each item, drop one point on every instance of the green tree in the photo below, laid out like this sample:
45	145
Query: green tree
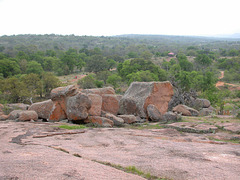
9	67
96	63
34	67
87	82
114	80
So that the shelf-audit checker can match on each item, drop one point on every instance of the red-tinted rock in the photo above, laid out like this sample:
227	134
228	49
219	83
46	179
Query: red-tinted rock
78	106
99	91
140	94
3	117
110	103
128	119
96	106
43	109
63	92
185	110
116	120
99	121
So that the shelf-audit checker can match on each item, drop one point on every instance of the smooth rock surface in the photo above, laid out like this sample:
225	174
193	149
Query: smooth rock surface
96	105
165	153
99	91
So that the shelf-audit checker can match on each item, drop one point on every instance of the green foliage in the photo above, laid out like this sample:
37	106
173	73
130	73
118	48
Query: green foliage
34	67
96	63
114	80
202	61
9	67
142	76
87	82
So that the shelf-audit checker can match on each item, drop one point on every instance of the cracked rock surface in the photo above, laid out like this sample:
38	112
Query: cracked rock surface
73	154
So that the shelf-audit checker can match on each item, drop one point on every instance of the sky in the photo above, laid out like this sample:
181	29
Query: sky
116	17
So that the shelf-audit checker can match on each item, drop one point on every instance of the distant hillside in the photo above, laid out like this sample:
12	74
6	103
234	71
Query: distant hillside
120	44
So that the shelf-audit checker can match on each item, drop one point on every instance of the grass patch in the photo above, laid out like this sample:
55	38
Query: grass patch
236	141
133	170
72	127
145	126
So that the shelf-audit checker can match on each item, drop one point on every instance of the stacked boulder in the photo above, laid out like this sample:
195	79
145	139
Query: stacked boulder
200	107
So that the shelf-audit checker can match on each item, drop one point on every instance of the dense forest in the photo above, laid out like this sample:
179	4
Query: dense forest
30	64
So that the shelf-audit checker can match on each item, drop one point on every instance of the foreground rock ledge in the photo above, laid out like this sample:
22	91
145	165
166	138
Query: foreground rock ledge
141	94
161	152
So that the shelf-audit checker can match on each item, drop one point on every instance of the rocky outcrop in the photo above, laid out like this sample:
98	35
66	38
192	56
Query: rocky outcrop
129	119
185	110
43	109
201	103
78	106
205	112
96	106
110	103
21	115
117	121
140	94
153	113
63	92
99	91
171	117
99	121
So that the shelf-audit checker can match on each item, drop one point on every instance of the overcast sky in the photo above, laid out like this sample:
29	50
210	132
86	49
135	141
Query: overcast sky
114	17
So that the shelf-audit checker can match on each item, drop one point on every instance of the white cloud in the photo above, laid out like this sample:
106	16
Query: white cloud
108	17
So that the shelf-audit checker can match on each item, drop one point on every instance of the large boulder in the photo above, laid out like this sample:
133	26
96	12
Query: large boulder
110	103
185	110
96	106
140	94
153	113
99	91
60	96
62	92
43	109
22	115
201	103
3	117
99	121
78	107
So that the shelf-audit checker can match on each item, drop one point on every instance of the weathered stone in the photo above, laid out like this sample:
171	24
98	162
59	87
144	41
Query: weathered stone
201	103
22	115
96	106
60	92
1	108
110	103
171	117
43	109
232	127
129	119
14	114
99	91
3	117
58	111
153	113
185	110
18	106
78	106
205	112
116	120
27	116
140	94
99	121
